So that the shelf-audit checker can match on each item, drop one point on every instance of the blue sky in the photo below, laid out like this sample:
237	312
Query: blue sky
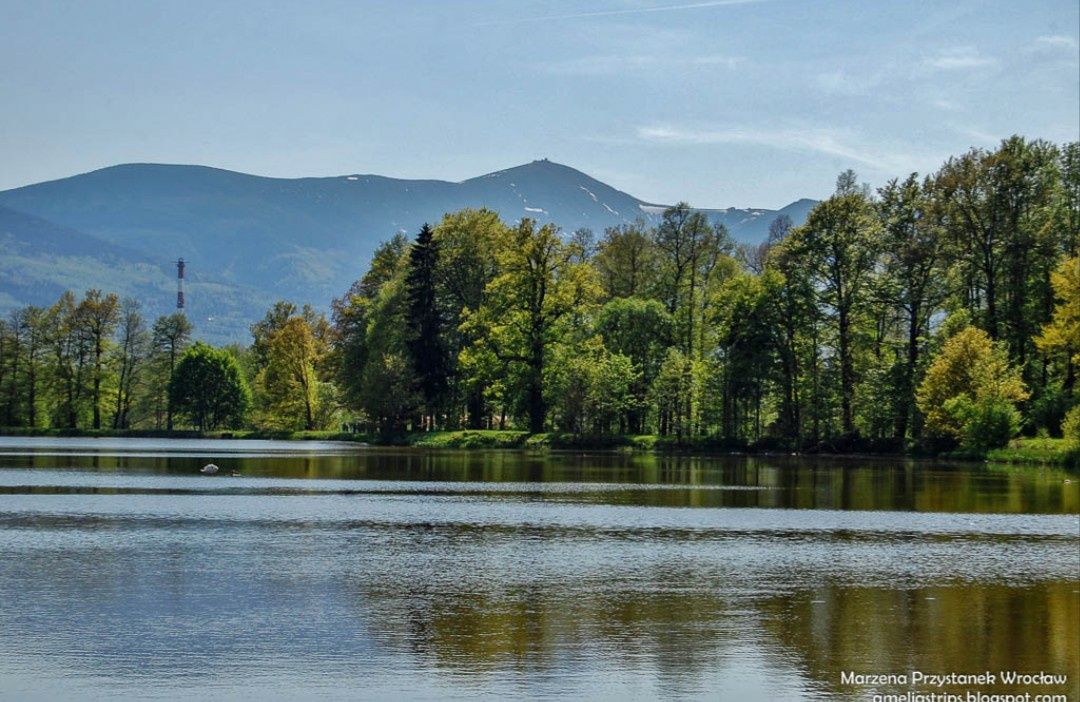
723	103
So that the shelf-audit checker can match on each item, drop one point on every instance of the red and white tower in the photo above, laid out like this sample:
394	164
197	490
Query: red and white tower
180	284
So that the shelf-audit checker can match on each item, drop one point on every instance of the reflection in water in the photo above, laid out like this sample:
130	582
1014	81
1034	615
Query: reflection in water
940	628
787	482
501	574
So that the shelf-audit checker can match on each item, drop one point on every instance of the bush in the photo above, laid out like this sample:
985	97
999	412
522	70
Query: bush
986	424
1070	428
970	392
1047	411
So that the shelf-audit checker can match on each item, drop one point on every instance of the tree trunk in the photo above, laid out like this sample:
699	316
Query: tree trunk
847	372
168	395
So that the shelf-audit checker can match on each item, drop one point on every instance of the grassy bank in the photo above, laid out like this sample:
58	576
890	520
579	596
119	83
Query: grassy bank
1042	451
1037	450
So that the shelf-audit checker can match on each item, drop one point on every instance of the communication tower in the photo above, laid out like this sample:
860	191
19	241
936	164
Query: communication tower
180	284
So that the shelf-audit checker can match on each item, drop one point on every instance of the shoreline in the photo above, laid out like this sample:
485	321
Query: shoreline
1021	451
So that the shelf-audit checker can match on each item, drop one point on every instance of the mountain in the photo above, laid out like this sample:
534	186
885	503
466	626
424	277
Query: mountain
39	260
249	240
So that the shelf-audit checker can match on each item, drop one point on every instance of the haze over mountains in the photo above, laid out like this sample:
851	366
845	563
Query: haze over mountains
250	240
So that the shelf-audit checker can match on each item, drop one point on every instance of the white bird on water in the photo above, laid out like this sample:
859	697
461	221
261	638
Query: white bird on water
209	469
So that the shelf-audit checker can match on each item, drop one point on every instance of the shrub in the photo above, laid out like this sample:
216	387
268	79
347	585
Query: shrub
986	423
970	392
1070	428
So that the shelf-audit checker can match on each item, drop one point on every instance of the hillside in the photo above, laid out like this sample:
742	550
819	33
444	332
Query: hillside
251	239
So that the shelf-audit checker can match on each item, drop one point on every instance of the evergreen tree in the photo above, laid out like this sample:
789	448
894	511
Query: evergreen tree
426	348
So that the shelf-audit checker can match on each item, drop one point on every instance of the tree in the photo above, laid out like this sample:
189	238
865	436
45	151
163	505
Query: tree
748	345
68	354
371	324
289	380
584	242
538	290
96	318
11	343
840	241
640	330
282	311
170	337
1063	333
427	352
468	241
797	333
674	391
1061	336
33	320
756	257
208	388
912	280
970	391
689	247
591	387
993	202
389	383
130	355
626	261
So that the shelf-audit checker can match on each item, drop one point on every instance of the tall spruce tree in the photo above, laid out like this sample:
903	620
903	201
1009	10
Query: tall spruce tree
425	339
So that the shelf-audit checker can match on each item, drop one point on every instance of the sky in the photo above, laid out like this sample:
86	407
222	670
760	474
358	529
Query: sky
728	103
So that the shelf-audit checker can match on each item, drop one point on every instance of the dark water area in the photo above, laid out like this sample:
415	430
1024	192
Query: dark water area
333	571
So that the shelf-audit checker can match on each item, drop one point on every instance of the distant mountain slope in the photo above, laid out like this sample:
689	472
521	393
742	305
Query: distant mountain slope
40	259
304	239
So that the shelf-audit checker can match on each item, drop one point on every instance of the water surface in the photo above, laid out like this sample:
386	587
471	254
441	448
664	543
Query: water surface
335	571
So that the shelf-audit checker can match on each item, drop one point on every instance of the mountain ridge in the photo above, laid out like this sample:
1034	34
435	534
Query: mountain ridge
304	239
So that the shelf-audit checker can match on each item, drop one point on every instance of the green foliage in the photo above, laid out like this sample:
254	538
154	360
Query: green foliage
641	331
470	439
288	383
676	391
841	242
970	392
1043	451
1062	333
208	388
425	324
1070	428
540	295
388	383
592	388
626	261
985	423
170	336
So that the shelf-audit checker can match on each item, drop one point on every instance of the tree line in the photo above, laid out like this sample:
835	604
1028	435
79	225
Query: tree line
939	309
88	363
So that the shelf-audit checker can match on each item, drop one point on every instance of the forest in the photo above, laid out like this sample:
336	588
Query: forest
939	311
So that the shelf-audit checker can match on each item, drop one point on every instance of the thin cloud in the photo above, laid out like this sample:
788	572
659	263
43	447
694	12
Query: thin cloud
979	136
629	11
606	65
1056	41
830	142
947	105
840	82
959	58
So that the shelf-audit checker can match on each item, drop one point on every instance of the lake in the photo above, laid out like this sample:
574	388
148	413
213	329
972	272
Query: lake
337	571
